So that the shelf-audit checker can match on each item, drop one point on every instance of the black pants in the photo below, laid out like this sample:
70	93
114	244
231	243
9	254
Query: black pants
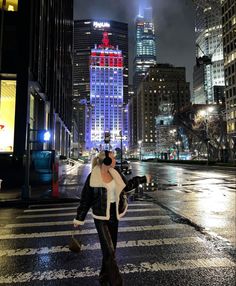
107	232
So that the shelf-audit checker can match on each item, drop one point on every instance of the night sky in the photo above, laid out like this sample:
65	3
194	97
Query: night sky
174	26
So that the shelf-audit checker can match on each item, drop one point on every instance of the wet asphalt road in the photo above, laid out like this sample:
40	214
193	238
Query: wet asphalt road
157	244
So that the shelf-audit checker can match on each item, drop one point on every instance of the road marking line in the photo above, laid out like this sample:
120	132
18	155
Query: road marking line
56	204
74	208
67	204
96	246
90	231
69	222
126	269
73	213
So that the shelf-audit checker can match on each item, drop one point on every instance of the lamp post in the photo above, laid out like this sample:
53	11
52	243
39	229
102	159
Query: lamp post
205	114
172	139
121	137
140	146
26	190
177	146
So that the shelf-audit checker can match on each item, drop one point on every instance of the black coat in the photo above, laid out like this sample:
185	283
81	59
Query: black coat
94	195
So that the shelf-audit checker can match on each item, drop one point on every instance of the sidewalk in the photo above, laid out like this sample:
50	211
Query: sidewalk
68	191
39	195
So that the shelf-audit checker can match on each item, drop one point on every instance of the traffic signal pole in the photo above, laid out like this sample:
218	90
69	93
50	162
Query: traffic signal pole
26	190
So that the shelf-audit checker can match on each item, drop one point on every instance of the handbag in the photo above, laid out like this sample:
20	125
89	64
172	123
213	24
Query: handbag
74	244
123	202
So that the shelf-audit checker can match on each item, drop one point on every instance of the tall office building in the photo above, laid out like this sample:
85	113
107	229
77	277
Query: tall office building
229	41
145	48
208	77
36	40
163	86
106	95
87	33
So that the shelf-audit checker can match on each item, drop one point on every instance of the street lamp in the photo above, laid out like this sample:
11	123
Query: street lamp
140	146
172	138
177	146
121	137
205	114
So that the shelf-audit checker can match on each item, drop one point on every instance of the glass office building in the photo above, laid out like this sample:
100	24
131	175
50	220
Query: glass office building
145	53
209	70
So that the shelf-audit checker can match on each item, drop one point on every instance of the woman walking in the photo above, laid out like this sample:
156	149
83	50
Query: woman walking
105	192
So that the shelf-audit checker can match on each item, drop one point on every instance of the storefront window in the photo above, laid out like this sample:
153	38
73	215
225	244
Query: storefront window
9	5
7	114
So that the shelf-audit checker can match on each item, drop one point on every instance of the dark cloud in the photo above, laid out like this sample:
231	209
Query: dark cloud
174	24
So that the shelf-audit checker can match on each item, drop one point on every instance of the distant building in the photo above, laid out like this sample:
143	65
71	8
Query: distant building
145	47
209	69
144	58
163	85
87	33
229	41
106	96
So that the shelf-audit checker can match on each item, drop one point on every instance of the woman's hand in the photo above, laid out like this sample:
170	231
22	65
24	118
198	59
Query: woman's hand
148	177
76	224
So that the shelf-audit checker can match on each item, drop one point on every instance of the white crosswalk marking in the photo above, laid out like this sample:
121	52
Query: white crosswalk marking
90	231
70	208
147	235
95	246
142	267
69	222
73	213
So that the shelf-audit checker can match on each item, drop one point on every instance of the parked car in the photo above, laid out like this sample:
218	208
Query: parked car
126	167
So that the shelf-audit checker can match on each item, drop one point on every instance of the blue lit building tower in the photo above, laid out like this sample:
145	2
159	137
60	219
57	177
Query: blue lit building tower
106	95
145	53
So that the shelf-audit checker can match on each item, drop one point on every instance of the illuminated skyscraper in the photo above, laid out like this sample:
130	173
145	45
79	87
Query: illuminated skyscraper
145	53
209	71
106	95
87	33
229	41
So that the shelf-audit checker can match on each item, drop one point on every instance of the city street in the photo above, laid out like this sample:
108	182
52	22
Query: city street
181	234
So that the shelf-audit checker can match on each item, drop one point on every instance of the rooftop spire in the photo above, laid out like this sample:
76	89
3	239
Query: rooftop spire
105	41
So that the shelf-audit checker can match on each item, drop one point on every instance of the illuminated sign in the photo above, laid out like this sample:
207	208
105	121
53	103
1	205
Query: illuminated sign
101	25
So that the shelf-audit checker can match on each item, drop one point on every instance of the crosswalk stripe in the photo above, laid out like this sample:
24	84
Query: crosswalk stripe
69	222
91	231
128	268
73	208
95	246
75	204
51	205
73	213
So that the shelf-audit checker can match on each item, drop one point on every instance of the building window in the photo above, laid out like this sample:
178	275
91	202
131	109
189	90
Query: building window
9	5
7	114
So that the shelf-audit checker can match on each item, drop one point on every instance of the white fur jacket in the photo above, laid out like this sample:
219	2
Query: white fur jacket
95	195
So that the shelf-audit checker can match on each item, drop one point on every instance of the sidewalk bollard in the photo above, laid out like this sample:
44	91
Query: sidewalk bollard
0	184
